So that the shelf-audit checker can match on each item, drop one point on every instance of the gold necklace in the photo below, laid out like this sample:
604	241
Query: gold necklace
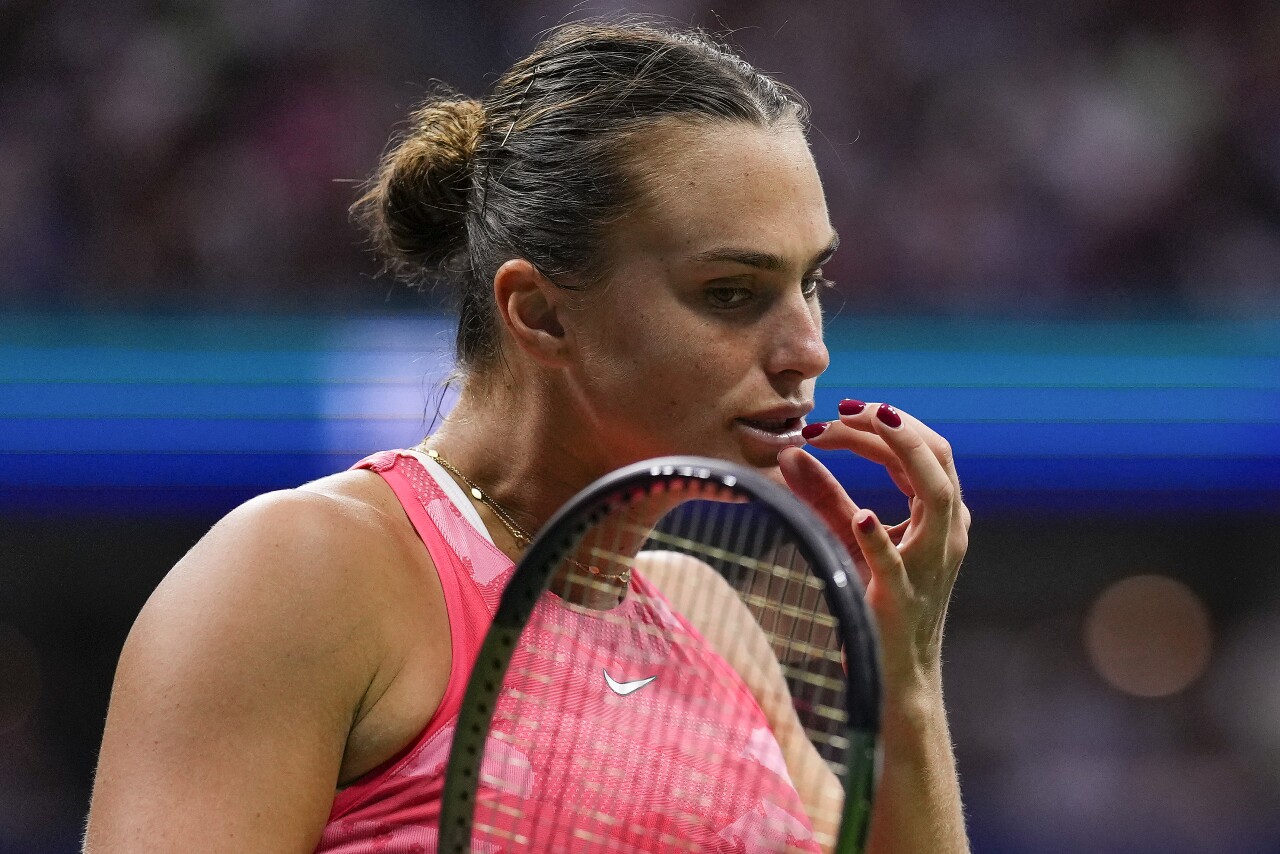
504	516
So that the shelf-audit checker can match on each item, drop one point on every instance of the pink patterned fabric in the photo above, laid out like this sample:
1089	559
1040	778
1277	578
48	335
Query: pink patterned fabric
687	762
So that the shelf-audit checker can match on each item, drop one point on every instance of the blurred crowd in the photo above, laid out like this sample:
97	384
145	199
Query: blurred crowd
1118	158
1079	156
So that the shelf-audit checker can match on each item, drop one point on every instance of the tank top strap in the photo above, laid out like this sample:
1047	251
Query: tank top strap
450	536
472	573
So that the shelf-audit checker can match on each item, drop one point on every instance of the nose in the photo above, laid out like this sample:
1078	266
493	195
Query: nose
798	351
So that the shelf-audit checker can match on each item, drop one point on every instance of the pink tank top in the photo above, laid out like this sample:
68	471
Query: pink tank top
682	784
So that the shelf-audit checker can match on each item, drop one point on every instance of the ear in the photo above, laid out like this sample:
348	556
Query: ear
530	304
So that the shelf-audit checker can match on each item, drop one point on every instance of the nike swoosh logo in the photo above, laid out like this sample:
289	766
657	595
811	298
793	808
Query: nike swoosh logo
622	689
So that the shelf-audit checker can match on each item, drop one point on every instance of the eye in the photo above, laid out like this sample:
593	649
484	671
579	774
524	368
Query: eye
810	285
728	297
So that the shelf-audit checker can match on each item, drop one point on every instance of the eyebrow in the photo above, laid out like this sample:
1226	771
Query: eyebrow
763	260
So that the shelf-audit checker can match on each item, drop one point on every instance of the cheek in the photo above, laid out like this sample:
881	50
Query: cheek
661	365
622	342
686	378
648	376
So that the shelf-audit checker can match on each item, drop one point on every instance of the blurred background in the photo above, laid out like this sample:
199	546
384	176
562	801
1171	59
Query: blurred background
1061	247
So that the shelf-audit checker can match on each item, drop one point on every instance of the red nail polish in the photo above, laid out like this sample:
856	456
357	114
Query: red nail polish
813	431
868	524
888	415
851	407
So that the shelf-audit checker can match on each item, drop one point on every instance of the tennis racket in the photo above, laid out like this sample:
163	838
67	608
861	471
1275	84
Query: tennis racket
682	661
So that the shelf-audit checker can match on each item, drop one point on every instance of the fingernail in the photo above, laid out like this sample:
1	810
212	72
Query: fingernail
888	415
867	524
813	431
851	407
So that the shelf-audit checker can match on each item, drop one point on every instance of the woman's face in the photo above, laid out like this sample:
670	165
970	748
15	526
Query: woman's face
706	337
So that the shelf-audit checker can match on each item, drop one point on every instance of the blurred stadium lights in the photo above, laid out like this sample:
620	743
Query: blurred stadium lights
177	414
1149	635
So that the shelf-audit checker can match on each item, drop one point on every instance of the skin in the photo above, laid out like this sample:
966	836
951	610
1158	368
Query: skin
303	641
716	610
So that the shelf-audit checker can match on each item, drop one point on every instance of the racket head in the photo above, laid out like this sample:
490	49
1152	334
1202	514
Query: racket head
743	527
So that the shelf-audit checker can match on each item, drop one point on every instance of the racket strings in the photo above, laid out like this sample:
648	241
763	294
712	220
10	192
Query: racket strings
598	763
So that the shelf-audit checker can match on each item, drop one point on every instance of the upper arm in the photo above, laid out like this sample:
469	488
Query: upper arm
716	610
237	687
713	607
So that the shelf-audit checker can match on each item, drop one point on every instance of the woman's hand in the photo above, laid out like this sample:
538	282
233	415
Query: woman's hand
908	568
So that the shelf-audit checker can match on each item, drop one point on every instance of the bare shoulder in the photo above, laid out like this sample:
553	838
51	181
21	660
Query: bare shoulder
330	545
249	668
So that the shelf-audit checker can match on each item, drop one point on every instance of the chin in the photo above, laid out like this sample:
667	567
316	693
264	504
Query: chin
756	455
771	470
766	462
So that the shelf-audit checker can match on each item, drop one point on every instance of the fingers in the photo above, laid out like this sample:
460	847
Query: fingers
880	553
817	487
814	485
897	531
810	481
866	445
912	565
924	471
851	436
941	447
919	460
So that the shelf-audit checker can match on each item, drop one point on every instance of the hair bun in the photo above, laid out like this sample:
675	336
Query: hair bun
415	206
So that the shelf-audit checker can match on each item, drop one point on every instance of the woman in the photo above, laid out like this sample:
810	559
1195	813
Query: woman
637	229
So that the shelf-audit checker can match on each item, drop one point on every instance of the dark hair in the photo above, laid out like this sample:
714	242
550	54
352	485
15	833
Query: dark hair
541	167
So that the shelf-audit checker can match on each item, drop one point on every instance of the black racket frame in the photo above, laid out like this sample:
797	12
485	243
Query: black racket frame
827	557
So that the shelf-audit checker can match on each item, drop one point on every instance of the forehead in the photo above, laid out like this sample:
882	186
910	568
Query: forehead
726	183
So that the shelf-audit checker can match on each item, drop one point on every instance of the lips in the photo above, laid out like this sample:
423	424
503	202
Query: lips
778	420
777	426
768	431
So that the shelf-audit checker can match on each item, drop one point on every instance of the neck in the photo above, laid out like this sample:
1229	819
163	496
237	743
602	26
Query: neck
527	448
517	441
